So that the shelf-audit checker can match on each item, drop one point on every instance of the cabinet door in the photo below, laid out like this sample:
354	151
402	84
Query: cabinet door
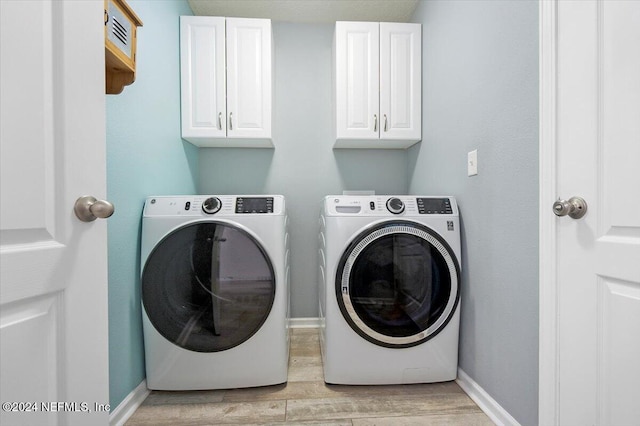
356	80
400	81
249	78
202	51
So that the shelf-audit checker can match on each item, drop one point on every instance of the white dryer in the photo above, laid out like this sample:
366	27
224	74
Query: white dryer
389	289
215	278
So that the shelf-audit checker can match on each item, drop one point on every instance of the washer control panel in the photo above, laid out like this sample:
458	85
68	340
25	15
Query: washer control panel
434	206
395	205
389	205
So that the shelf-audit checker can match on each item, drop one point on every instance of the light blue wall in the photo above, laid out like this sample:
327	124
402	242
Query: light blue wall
145	156
480	91
303	166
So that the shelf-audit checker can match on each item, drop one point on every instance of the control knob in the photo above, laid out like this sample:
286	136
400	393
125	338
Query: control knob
211	205
395	205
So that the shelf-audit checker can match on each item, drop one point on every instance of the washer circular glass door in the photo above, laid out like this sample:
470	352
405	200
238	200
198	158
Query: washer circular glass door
397	284
208	286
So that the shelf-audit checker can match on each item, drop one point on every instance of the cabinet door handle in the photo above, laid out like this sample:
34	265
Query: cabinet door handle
385	123
220	120
375	122
230	121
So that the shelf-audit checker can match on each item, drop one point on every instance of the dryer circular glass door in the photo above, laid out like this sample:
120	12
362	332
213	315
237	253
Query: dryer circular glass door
397	284
208	286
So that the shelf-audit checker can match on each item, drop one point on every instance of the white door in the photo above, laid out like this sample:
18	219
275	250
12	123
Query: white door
357	79
400	81
249	78
590	267
53	287
202	50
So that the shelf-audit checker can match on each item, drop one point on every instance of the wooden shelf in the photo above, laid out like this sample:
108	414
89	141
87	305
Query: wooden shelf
120	30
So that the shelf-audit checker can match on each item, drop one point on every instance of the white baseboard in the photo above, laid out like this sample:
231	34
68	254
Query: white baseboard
490	406
304	322
129	405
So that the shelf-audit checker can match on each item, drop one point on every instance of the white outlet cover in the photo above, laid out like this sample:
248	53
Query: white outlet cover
472	163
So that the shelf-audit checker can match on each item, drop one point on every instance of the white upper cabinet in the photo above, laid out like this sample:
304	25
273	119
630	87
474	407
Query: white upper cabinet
226	73
249	78
357	79
378	84
401	82
203	78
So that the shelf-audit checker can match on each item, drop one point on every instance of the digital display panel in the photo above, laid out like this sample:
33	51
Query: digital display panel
434	206
254	205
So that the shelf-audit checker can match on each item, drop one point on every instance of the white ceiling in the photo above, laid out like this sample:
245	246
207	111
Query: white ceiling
309	11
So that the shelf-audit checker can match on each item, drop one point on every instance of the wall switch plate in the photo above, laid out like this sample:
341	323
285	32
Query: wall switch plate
472	163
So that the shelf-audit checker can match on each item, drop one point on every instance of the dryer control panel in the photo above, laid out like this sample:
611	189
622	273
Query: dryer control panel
254	205
389	205
214	205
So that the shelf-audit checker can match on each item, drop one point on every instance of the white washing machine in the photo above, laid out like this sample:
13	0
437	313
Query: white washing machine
215	296
389	289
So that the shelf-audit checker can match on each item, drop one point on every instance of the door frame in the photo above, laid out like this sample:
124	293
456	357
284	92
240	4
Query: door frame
548	389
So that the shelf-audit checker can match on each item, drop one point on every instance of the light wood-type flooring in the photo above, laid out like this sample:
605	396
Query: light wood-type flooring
306	400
